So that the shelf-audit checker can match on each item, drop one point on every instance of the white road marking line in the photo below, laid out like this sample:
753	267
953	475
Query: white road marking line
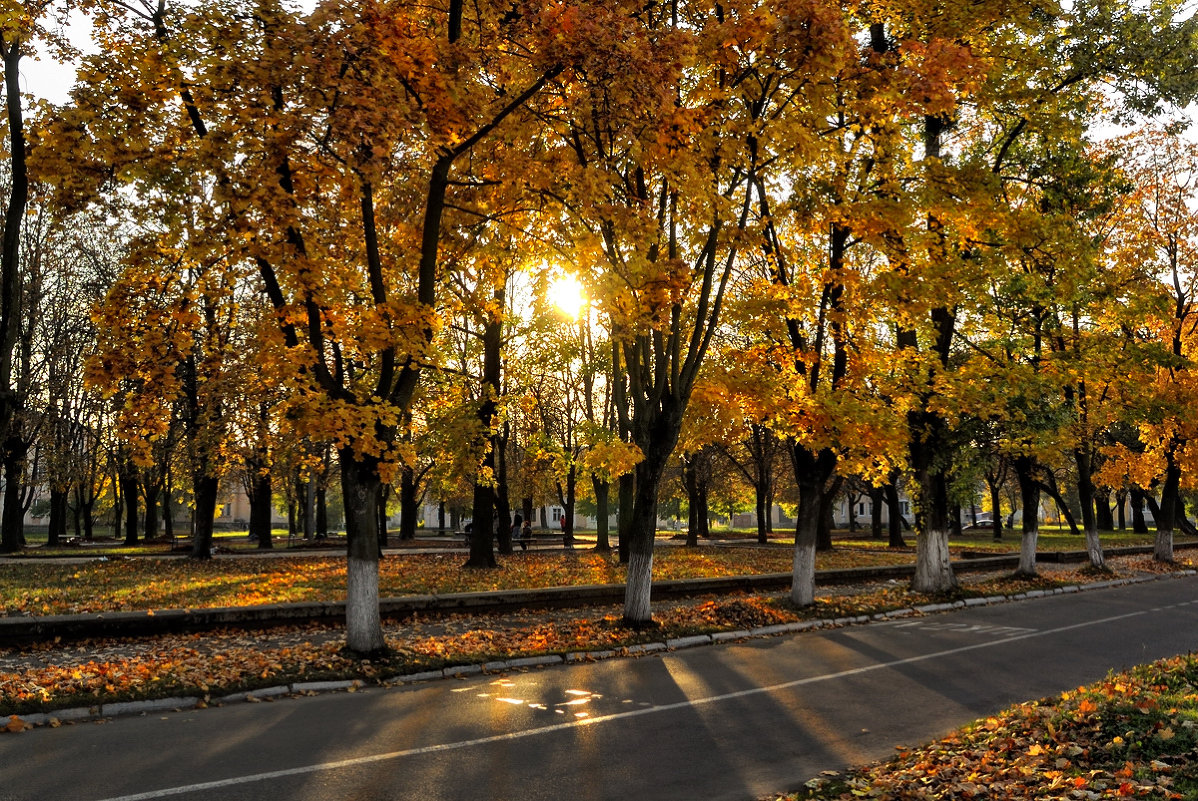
518	735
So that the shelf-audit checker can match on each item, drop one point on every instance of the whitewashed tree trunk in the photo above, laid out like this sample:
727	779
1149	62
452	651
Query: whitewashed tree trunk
1163	548
811	472
360	485
802	582
1094	550
363	626
933	565
637	610
1027	552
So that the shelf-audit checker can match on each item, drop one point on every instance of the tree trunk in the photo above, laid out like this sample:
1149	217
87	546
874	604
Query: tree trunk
602	491
58	517
1029	498
1120	504
690	482
260	509
643	524
14	475
877	497
503	506
933	565
626	497
696	477
1102	509
929	447
322	509
1166	514
130	491
567	498
811	471
306	492
292	520
118	500
86	497
482	552
482	531
89	520
769	509
361	486
168	515
1085	492
76	512
996	509
637	610
827	508
1181	522
802	580
763	510
409	505
15	449
894	524
206	489
1062	506
383	520
150	491
1138	524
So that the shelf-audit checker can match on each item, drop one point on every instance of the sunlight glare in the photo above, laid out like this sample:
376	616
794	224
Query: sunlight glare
567	294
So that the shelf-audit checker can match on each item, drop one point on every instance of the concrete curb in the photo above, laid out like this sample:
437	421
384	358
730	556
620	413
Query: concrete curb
127	708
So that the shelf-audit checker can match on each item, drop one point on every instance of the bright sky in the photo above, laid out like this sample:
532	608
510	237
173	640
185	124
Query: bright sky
48	79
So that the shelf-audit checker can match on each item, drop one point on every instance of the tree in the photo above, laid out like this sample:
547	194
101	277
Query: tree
1158	228
334	179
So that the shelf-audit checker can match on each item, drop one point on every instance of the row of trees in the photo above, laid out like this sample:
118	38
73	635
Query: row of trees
877	237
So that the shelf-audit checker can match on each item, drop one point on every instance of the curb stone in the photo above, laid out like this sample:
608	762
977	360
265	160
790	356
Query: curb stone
589	656
264	692
129	708
62	715
143	707
535	661
462	670
688	642
422	676
324	686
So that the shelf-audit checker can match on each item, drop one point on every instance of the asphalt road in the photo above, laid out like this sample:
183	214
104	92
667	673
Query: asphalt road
723	722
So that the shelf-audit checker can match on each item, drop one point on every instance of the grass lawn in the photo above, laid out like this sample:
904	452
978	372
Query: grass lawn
105	545
1134	734
51	586
45	587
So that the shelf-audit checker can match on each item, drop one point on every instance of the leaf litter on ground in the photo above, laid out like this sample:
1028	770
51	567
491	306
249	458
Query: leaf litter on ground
1131	735
51	676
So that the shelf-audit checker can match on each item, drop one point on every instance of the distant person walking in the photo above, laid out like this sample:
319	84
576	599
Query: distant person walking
516	529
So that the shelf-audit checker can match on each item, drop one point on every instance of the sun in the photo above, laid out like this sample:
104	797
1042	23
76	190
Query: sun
566	294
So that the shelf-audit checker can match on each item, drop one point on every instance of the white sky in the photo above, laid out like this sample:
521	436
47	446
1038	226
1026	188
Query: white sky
48	79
